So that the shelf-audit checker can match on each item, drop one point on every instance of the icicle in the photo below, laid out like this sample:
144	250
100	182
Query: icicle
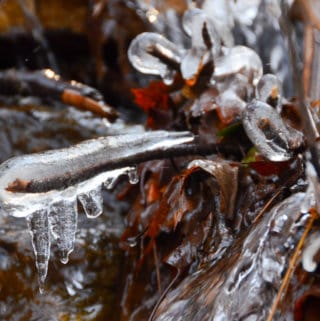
239	59
63	225
39	229
92	202
151	53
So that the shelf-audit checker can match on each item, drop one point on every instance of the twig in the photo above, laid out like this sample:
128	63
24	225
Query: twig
292	265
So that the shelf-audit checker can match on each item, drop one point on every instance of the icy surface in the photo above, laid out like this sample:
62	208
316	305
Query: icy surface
150	53
268	89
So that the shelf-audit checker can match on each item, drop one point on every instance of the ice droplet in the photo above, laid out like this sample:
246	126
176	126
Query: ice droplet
63	225
39	229
92	202
153	54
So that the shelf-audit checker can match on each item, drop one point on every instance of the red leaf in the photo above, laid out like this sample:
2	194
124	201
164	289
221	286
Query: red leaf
153	96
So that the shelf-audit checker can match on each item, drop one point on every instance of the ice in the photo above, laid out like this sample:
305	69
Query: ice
59	178
268	133
268	89
239	59
205	43
63	225
151	53
92	202
39	229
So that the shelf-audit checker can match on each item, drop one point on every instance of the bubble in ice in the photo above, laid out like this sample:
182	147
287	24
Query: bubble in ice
39	229
151	53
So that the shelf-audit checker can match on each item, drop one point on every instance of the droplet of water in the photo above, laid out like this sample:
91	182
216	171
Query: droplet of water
39	229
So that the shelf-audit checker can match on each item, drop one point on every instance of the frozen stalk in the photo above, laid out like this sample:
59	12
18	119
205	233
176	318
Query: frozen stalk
63	225
205	43
268	133
151	53
39	229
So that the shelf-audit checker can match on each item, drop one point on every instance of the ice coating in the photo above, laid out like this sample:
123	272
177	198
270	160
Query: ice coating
239	59
39	229
268	133
268	89
311	248
151	53
76	169
91	201
205	42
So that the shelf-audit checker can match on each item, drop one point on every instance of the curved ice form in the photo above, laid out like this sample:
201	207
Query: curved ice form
39	229
268	133
151	53
239	59
63	224
31	182
268	89
205	42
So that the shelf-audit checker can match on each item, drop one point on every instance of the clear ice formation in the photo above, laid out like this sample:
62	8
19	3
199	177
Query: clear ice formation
205	42
265	128
151	53
52	209
238	60
268	89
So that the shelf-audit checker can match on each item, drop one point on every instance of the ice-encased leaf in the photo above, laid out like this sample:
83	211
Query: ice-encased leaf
63	225
239	59
153	54
92	201
39	229
268	133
